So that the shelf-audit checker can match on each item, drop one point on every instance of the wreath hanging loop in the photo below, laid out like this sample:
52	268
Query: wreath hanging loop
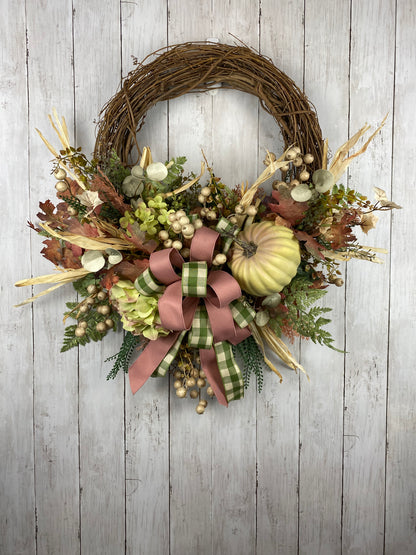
201	66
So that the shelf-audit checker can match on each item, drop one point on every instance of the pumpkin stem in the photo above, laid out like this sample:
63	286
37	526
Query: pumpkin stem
249	249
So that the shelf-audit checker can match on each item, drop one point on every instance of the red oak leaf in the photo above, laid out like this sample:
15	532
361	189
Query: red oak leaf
311	244
52	251
47	213
124	270
146	246
87	230
287	208
70	259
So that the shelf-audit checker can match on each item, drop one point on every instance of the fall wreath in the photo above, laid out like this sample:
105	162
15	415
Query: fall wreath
195	270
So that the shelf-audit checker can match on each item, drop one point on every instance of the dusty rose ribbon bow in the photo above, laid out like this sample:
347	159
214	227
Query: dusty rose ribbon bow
179	302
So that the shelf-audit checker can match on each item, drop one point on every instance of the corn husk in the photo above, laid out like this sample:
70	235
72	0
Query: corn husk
90	243
186	186
255	331
325	155
248	195
146	158
266	335
62	131
65	276
341	160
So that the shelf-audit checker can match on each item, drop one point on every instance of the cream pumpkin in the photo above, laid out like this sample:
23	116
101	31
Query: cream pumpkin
265	258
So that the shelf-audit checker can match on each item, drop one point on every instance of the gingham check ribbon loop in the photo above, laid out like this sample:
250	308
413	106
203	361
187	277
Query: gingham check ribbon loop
194	279
221	319
228	231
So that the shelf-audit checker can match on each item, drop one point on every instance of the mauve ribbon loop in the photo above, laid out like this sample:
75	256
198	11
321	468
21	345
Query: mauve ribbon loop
162	265
203	244
177	313
223	288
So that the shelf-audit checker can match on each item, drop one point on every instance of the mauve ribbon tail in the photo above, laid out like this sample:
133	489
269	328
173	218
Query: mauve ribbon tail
152	355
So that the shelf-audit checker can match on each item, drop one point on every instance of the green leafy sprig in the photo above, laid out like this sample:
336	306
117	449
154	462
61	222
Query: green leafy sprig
252	359
114	170
122	358
91	317
307	321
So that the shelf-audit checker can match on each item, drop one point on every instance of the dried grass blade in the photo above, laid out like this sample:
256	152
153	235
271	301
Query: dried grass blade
94	244
65	276
189	184
41	294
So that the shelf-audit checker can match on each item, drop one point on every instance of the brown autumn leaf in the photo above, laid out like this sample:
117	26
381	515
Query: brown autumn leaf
52	251
67	256
311	244
108	193
73	190
87	230
138	239
368	221
70	258
130	270
123	270
287	208
47	213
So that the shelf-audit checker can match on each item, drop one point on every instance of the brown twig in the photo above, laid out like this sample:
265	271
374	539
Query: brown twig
200	66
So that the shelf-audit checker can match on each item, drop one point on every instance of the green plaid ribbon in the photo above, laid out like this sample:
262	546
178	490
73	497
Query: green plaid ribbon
242	313
169	358
194	279
147	285
226	225
200	335
230	372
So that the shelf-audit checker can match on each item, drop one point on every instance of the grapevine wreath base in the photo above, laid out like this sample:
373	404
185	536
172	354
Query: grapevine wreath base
194	269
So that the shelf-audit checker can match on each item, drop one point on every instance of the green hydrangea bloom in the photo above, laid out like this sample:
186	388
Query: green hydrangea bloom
126	219
157	202
139	314
147	218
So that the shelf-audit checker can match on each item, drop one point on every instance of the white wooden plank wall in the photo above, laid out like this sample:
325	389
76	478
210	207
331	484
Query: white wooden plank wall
319	467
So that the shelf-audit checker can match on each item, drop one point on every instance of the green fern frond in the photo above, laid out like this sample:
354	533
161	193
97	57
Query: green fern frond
252	360
306	321
122	358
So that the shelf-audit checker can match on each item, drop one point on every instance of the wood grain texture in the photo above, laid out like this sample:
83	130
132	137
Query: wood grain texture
97	74
17	499
321	399
278	405
190	129
235	115
400	534
147	412
371	97
55	376
319	467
